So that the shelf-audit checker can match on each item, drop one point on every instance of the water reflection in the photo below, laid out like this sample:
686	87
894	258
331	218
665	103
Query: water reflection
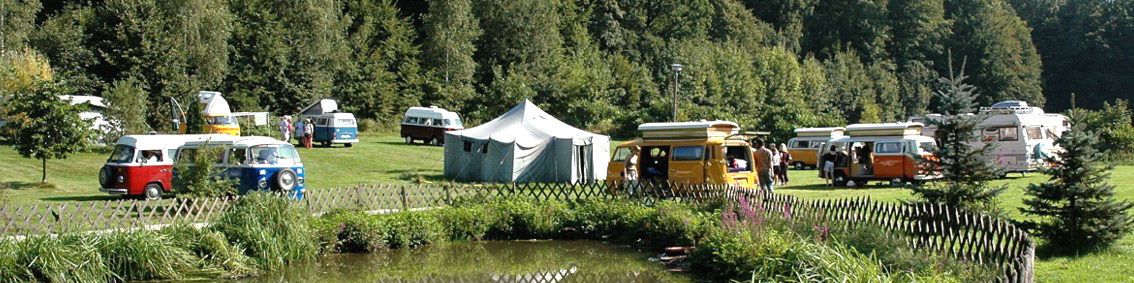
511	261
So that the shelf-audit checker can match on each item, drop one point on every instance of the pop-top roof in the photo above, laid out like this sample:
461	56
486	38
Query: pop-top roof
699	129
820	132
321	106
885	129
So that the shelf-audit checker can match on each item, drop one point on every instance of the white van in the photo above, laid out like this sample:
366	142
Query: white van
429	124
1024	135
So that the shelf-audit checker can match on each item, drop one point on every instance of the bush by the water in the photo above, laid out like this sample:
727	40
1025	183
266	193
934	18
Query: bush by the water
270	228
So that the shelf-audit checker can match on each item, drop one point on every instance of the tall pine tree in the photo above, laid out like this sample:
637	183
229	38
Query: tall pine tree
965	172
1076	207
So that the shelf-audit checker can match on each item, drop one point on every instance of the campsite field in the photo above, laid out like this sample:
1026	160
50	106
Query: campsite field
383	158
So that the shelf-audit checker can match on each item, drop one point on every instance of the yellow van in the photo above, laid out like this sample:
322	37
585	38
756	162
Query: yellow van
804	147
705	152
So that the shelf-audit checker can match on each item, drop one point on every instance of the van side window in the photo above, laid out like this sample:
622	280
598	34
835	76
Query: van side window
322	122
1035	132
236	156
411	120
425	121
801	144
687	153
1009	134
438	122
888	147
621	154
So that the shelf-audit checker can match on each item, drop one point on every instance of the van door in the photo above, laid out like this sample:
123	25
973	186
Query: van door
687	164
889	160
323	130
654	164
617	162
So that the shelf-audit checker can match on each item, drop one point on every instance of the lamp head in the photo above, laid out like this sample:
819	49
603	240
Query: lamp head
675	67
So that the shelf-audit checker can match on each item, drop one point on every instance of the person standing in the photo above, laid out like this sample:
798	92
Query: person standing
630	170
285	129
763	166
308	132
785	160
298	131
775	162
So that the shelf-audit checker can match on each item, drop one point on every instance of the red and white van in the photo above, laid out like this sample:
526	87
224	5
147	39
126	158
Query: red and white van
142	165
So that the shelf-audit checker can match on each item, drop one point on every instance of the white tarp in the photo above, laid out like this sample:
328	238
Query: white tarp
526	145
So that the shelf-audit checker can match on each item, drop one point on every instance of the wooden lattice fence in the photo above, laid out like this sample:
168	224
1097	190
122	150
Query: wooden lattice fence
930	228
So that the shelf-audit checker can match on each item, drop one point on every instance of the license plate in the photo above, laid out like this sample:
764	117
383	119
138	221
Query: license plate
346	136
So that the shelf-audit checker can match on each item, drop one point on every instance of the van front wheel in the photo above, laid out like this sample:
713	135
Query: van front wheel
152	192
435	142
799	165
409	140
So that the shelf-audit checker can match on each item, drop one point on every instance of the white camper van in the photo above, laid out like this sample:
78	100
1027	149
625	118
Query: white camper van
1024	135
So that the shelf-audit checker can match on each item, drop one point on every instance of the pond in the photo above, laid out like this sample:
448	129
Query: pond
496	261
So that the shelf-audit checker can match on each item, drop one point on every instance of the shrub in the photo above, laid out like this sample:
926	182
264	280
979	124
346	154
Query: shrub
358	232
413	229
468	223
217	256
601	217
143	255
273	232
65	258
369	125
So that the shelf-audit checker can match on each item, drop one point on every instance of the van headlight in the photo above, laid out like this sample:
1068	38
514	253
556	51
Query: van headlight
301	181
263	184
121	179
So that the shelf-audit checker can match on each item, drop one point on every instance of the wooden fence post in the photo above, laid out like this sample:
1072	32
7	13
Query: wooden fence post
405	202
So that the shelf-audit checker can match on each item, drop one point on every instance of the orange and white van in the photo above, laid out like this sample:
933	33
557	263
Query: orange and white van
881	152
705	152
804	147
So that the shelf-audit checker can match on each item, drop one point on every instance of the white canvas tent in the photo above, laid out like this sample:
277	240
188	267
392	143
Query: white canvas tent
526	145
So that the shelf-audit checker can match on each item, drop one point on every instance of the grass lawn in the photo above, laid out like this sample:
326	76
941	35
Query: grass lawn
383	159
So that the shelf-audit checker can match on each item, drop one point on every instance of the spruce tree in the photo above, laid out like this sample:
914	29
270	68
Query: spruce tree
1076	207
965	171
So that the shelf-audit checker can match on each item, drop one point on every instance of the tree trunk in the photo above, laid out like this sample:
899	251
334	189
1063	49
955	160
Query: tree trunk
44	179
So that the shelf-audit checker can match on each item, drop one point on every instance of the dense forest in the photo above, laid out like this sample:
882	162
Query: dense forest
600	65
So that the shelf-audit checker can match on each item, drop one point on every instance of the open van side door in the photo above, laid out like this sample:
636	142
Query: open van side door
178	114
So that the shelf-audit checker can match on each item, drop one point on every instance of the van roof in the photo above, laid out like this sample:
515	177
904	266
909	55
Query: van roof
147	142
686	125
239	141
679	142
917	138
885	129
432	112
827	132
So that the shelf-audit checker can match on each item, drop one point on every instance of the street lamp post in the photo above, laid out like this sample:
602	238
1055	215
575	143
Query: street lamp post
676	70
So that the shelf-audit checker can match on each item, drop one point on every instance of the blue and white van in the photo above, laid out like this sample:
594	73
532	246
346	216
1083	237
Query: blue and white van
331	125
258	163
332	128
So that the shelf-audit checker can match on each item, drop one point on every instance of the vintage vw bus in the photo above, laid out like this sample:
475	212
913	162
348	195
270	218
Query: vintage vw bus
804	147
885	152
704	152
331	125
429	124
142	165
257	163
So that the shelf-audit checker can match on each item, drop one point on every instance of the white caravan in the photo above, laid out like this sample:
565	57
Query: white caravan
1024	135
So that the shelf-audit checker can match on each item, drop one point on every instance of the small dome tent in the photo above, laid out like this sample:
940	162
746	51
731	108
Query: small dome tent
526	145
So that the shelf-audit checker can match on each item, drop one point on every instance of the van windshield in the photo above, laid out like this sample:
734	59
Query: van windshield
274	155
121	154
453	123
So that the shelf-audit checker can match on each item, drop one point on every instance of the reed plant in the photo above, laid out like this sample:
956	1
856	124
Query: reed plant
67	258
143	255
217	257
272	231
